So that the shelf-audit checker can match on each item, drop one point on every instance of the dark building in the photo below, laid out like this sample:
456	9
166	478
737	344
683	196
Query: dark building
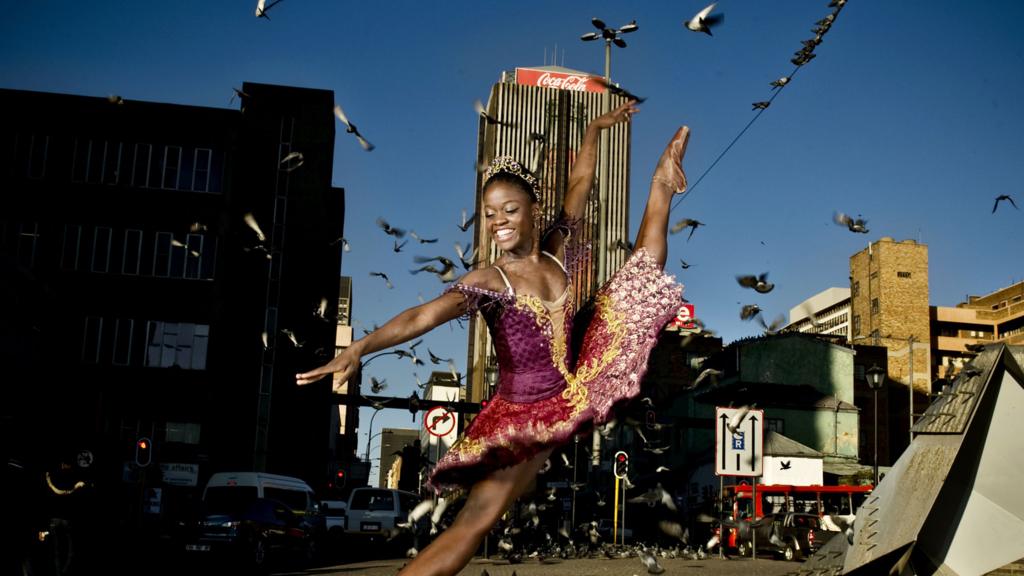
164	272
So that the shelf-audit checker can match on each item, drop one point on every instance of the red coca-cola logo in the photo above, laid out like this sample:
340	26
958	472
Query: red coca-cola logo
573	83
558	80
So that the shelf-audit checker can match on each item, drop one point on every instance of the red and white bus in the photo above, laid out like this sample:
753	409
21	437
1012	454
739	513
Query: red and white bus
738	501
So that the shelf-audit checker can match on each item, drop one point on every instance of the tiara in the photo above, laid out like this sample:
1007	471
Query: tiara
509	165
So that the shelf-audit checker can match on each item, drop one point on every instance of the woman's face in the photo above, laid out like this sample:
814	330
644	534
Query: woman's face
509	214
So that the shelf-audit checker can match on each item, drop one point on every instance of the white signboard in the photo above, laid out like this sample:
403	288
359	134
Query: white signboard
179	474
739	441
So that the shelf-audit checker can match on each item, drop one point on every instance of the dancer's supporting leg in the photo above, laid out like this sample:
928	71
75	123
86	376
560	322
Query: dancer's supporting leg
488	499
668	179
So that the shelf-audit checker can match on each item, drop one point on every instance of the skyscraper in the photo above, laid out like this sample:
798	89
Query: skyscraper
539	116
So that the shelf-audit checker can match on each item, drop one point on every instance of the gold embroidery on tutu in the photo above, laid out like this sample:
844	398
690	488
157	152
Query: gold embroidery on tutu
576	391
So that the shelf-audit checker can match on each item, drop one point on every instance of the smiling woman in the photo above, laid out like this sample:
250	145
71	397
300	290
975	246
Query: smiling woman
544	393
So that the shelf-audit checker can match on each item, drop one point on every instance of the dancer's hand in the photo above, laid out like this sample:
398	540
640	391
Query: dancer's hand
670	166
621	114
345	364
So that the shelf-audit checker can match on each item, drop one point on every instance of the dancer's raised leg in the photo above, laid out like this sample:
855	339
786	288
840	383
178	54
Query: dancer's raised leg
668	179
488	499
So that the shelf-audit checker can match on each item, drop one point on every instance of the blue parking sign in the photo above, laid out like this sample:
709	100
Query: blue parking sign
737	441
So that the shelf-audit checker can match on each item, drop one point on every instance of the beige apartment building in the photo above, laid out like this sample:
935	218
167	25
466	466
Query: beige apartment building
994	317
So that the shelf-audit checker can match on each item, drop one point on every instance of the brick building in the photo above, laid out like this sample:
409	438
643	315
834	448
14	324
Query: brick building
889	306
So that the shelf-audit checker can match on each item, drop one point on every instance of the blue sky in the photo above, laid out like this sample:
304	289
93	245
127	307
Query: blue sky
910	115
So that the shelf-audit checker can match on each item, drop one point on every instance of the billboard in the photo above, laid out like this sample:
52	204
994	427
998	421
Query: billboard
559	80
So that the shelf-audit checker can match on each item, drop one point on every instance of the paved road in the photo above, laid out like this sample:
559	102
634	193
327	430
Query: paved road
587	567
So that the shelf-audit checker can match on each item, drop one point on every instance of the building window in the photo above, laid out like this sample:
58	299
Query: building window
172	162
162	254
874	274
80	160
27	235
903	274
123	328
111	163
193	255
179	252
38	149
132	252
874	305
182	432
92	339
141	166
70	249
858	373
777	425
201	170
101	249
855	288
856	324
177	344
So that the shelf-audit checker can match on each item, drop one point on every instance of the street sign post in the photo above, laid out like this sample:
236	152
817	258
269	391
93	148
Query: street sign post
739	441
438	421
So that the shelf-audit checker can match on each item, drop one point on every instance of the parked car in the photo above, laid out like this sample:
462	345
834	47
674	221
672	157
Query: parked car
254	518
791	534
376	511
255	533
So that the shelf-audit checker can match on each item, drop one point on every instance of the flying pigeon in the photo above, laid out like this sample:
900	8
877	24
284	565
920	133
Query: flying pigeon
758	283
704	20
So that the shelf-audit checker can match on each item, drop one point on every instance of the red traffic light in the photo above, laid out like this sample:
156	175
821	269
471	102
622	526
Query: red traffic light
143	444
340	474
621	457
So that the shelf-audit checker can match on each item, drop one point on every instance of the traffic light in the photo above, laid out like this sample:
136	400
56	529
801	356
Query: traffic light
143	452
414	405
339	478
621	464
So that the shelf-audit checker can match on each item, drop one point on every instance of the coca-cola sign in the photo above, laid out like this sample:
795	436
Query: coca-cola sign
558	80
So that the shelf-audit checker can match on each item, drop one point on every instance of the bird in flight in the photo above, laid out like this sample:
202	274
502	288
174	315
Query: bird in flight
250	221
446	274
619	90
1000	198
467	257
775	325
758	283
262	7
467	221
684	264
704	20
421	240
390	230
398	247
786	464
351	128
749	311
683	224
858	224
479	107
292	161
387	281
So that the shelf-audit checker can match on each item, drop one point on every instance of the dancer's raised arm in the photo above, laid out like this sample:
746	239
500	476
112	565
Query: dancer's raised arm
581	178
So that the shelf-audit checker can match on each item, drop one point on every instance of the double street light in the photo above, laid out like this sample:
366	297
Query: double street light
610	36
875	377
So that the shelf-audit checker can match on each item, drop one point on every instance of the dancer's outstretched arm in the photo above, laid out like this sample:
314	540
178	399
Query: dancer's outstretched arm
405	326
581	178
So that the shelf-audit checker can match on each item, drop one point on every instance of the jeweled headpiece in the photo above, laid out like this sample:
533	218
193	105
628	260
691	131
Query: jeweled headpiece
509	165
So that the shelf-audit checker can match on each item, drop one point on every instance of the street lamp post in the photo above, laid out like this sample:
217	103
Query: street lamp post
610	36
875	377
369	435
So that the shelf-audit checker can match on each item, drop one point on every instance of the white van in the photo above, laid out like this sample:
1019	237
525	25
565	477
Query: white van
374	511
225	487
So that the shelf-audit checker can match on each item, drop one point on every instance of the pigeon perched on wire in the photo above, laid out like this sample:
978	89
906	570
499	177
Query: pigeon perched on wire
762	105
780	82
704	20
